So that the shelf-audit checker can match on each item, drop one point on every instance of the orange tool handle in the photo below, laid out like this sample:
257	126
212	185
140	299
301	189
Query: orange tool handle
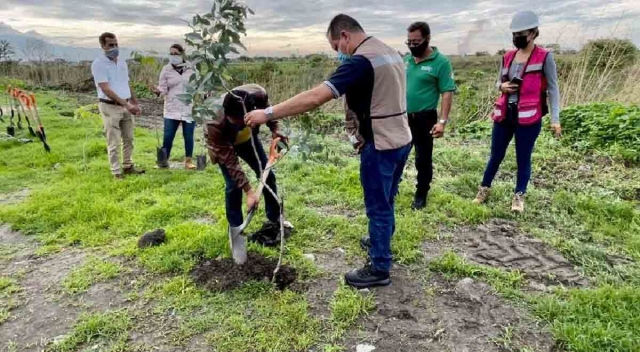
25	99
273	151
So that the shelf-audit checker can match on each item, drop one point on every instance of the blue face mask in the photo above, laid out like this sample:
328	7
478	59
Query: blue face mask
342	57
113	53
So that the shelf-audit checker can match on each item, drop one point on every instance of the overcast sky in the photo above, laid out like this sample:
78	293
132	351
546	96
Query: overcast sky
282	27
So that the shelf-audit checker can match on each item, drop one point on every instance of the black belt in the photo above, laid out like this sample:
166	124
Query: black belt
413	115
111	102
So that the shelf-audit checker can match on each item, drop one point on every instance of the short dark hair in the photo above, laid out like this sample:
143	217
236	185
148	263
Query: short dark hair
233	106
341	23
177	47
423	27
104	36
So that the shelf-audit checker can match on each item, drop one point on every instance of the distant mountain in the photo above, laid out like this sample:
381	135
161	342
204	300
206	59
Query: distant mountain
18	41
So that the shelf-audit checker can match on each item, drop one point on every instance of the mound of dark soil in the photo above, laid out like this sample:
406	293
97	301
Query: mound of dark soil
223	275
152	239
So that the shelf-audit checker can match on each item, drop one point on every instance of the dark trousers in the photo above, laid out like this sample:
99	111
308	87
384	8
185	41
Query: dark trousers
170	129
421	124
503	133
380	175
233	194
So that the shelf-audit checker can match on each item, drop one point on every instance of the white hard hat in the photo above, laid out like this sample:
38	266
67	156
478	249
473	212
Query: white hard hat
524	20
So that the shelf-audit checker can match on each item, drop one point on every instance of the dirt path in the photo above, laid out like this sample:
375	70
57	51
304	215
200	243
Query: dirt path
41	312
436	315
422	312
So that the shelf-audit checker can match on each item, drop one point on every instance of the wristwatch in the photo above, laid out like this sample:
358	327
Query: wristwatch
269	112
444	122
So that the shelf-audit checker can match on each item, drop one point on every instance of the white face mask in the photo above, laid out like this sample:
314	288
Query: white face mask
176	60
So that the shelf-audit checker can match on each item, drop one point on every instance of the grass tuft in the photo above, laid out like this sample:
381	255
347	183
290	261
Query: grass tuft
100	328
94	271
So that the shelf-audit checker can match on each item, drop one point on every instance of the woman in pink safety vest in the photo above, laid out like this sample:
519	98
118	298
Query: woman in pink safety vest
173	81
528	81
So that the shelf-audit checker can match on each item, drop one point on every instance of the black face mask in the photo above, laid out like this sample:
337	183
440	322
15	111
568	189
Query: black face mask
418	51
521	41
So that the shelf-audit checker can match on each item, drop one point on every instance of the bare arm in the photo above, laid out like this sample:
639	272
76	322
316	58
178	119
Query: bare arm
106	89
447	102
134	99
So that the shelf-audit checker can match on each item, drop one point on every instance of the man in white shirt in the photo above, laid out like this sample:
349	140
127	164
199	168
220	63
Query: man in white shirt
117	105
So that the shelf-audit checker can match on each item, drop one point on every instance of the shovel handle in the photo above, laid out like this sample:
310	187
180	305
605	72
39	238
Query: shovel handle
274	155
25	100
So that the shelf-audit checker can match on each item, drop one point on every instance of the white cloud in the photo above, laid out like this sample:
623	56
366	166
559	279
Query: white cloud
290	26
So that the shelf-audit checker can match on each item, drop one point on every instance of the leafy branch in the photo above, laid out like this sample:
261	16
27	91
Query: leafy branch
213	36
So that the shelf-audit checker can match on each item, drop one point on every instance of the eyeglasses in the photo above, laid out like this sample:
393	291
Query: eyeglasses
414	42
112	45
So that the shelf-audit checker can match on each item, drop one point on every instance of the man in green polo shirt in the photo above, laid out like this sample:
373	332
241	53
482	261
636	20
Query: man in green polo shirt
429	75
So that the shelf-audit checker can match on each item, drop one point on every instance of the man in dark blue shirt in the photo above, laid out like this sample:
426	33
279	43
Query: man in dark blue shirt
373	80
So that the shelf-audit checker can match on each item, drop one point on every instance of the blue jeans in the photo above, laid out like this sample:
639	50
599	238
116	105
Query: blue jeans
170	129
526	137
233	194
380	175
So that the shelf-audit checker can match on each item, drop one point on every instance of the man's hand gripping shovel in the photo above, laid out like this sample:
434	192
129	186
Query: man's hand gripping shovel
237	238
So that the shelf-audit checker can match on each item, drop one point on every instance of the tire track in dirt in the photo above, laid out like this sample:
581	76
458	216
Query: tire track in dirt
500	244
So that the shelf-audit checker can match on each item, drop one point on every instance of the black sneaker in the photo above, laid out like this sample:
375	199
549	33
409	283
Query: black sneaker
367	277
365	243
419	202
269	234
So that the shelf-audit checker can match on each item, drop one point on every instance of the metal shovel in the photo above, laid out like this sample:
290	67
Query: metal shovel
30	102
162	159
201	162
19	107
237	239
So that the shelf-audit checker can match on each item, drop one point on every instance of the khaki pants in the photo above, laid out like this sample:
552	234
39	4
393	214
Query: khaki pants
118	126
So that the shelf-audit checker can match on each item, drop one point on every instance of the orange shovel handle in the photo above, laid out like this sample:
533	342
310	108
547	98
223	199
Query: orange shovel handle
273	151
25	99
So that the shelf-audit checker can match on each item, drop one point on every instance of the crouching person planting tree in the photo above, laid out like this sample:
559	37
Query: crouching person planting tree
229	140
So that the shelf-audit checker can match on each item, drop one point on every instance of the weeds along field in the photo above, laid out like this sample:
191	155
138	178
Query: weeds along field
564	276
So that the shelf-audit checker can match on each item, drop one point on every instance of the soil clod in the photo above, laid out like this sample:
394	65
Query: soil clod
152	239
223	275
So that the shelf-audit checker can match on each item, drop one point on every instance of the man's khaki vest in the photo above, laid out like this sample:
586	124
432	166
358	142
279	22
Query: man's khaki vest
389	120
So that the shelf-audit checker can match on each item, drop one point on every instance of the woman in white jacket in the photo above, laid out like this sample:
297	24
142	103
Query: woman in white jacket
174	79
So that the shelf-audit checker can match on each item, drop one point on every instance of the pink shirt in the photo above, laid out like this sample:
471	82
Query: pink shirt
171	85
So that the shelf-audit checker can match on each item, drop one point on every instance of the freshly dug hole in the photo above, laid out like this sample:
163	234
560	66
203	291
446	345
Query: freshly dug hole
223	275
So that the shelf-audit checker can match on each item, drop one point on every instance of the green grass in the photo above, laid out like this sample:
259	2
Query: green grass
603	319
455	267
94	271
254	318
109	330
8	288
347	306
585	206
